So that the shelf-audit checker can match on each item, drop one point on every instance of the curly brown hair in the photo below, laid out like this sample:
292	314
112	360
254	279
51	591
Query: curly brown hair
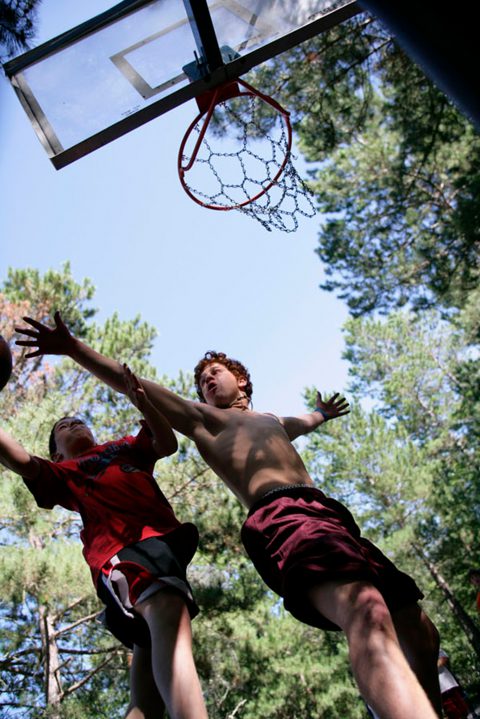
235	367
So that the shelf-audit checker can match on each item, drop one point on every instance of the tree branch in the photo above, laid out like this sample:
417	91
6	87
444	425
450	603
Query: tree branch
184	486
20	653
237	708
81	682
77	623
74	604
88	652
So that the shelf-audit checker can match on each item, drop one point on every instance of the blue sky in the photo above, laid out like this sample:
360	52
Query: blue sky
204	279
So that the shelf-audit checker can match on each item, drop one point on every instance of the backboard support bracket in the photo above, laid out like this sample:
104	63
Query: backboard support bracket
210	56
196	69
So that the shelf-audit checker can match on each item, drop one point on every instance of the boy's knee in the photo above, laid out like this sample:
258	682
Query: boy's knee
356	607
367	612
371	610
166	602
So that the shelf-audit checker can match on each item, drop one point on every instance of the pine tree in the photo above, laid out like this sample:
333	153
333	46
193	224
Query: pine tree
395	169
17	25
401	463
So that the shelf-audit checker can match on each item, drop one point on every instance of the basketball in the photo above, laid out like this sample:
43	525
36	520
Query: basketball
5	362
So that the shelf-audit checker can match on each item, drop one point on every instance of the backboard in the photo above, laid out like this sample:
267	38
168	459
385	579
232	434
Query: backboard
128	65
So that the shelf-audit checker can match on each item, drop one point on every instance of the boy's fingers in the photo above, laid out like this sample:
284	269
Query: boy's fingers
34	323
26	331
25	343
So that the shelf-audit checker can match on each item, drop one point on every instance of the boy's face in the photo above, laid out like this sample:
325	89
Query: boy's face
219	386
72	437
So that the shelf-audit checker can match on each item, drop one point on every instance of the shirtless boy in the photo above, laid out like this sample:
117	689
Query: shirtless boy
305	546
136	548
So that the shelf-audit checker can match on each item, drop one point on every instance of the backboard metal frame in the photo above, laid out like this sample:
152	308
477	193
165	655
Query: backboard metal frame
217	71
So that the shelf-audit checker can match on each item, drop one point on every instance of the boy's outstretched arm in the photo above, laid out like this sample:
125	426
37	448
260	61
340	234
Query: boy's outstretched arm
180	413
164	440
324	410
14	457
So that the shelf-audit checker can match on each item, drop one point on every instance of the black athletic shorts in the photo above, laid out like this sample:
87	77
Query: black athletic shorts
134	574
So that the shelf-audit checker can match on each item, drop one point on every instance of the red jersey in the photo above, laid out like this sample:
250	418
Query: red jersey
112	487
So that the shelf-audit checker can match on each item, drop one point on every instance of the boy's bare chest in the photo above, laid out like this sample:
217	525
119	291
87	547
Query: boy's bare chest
228	430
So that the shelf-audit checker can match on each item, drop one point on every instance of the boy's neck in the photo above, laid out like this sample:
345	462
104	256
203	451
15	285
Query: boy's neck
240	402
81	450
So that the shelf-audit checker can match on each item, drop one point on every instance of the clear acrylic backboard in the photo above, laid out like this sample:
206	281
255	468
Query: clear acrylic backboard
125	67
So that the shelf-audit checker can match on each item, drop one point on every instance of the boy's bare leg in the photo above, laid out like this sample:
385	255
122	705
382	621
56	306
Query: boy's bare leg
381	670
145	701
172	660
420	643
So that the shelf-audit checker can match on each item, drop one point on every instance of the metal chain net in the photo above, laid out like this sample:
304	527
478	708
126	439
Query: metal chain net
244	147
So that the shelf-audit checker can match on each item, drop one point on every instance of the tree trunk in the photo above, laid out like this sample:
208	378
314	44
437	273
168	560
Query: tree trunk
466	622
53	682
51	658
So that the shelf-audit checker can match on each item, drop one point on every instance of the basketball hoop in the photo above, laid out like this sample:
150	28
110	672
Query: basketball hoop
251	169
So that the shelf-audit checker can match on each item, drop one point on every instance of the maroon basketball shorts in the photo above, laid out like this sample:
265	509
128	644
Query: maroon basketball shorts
297	538
137	572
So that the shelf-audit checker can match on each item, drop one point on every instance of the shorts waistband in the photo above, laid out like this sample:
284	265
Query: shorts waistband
285	489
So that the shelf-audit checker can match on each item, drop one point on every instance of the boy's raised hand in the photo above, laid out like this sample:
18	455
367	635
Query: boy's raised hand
47	340
134	389
334	407
164	440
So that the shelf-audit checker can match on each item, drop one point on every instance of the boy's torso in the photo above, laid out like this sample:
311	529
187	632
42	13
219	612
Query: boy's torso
249	451
112	487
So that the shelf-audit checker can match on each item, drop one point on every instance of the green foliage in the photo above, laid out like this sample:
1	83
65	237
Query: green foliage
267	664
51	291
397	169
400	226
406	459
17	25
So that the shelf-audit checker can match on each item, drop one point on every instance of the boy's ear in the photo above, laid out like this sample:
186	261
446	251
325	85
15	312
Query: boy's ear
242	382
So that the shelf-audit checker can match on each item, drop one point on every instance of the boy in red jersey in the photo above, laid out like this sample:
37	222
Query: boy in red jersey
136	548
